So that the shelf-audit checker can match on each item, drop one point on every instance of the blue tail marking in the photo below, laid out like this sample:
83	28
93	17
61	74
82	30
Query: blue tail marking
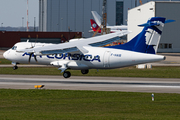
138	43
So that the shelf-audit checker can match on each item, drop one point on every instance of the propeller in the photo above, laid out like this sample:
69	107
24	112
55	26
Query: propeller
32	54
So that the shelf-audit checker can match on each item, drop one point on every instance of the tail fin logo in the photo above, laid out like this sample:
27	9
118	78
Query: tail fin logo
94	25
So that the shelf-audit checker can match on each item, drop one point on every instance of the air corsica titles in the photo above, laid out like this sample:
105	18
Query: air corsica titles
80	57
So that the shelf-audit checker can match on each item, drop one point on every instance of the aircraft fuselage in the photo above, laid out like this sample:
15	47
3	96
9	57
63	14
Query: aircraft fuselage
105	58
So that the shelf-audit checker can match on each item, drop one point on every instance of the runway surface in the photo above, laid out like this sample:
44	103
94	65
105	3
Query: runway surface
154	85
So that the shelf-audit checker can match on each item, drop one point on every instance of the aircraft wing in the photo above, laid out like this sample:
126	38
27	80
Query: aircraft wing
76	45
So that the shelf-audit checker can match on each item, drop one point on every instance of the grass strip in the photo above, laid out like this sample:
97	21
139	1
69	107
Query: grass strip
155	72
98	105
4	61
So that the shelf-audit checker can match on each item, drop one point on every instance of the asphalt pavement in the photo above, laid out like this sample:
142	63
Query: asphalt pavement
126	84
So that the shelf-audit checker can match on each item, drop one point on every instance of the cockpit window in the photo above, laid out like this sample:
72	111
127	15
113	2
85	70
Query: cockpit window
14	47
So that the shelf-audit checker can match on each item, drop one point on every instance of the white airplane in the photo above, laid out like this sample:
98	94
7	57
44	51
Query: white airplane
85	54
95	24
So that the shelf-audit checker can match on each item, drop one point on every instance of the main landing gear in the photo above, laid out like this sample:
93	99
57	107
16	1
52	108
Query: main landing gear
85	71
15	67
67	74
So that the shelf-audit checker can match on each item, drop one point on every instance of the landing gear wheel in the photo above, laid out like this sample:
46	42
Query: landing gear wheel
84	71
66	74
15	67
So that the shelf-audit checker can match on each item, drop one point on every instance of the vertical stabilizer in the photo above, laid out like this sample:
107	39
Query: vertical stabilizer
153	31
95	26
147	40
97	18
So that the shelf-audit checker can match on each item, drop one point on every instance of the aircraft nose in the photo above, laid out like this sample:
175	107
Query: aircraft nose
5	54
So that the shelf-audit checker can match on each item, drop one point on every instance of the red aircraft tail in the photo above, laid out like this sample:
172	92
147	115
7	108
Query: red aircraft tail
94	26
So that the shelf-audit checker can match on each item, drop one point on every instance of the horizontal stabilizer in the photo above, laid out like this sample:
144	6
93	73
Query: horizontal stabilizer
168	21
148	24
153	23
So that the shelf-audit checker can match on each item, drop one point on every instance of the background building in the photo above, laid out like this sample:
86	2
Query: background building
59	15
9	38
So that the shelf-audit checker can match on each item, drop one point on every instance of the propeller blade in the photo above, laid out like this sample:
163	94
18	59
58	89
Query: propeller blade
35	58
30	57
32	54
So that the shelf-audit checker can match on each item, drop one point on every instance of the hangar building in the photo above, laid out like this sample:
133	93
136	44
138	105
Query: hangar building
9	38
60	15
169	41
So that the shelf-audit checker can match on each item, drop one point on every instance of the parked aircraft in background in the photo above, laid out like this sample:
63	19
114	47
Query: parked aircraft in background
97	23
85	54
97	18
113	29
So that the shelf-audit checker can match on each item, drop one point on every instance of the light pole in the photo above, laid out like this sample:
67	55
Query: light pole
22	23
1	24
34	23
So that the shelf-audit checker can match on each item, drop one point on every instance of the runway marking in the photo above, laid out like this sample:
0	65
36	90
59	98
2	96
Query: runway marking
155	85
101	83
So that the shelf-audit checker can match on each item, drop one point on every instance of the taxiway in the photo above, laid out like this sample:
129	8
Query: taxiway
153	85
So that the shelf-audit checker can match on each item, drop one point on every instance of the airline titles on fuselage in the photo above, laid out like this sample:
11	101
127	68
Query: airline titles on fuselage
70	56
76	56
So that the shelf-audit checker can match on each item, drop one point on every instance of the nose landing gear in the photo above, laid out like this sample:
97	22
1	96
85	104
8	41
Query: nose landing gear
15	67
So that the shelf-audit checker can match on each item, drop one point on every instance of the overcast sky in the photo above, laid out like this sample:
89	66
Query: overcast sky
12	12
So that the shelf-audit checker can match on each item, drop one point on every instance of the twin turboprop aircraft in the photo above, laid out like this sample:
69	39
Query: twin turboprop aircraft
84	54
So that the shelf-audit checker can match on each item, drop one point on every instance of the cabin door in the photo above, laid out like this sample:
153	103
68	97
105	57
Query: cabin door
106	59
